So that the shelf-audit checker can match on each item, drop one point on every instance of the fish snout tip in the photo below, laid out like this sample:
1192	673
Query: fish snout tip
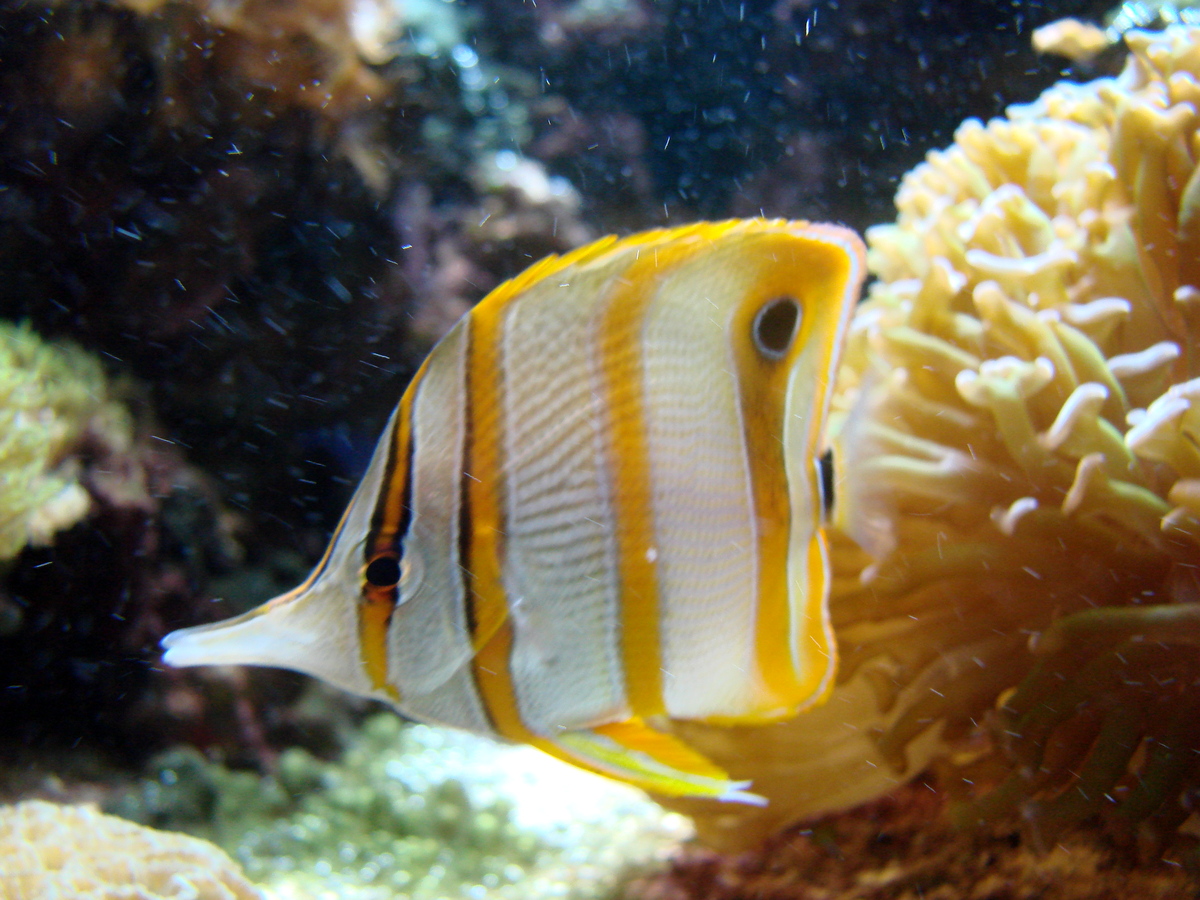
174	648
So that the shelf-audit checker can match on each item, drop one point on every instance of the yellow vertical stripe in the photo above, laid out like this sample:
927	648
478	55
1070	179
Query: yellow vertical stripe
663	751
804	272
483	539
390	511
376	604
762	385
483	498
632	494
374	613
621	348
483	501
820	633
762	388
482	476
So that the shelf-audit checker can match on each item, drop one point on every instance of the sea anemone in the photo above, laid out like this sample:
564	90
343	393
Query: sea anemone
1019	446
1017	435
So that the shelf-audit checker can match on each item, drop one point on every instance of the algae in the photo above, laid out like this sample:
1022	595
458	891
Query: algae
51	397
413	812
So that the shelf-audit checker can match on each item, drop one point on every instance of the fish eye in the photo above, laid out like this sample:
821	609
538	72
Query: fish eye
775	327
383	571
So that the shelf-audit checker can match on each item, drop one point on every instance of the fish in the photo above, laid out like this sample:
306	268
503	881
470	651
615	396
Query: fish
598	508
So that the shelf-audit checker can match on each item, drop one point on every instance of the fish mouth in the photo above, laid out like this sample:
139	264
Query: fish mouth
247	639
305	630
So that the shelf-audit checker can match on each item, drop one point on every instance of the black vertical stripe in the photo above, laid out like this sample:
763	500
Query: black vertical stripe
464	494
389	474
406	490
464	516
376	541
825	477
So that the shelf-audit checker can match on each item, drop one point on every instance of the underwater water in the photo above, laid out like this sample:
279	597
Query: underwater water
232	232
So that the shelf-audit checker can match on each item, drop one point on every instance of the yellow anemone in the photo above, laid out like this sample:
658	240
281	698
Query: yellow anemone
1017	432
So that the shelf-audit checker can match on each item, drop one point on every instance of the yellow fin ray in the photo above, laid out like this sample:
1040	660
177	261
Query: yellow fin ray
633	751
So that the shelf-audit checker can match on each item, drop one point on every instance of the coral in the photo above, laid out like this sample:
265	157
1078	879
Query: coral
416	811
1016	437
1077	41
53	400
269	59
47	851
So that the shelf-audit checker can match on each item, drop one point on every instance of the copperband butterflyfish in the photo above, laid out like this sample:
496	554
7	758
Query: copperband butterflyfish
597	508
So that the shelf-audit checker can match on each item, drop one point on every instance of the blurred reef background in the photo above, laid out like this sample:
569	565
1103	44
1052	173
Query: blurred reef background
230	230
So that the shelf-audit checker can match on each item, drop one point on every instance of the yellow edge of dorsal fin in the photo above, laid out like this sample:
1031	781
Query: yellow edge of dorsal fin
600	248
544	268
661	763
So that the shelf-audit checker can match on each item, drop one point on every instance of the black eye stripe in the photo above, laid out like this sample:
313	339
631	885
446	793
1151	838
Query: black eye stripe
775	326
383	571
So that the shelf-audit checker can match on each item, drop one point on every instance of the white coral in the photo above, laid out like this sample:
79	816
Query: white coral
49	851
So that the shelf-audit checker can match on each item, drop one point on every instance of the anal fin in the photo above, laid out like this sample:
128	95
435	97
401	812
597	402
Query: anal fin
650	759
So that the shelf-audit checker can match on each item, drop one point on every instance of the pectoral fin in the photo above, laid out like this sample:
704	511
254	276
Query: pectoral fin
633	751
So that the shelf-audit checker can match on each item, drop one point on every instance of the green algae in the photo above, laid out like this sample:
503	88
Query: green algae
413	812
51	396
